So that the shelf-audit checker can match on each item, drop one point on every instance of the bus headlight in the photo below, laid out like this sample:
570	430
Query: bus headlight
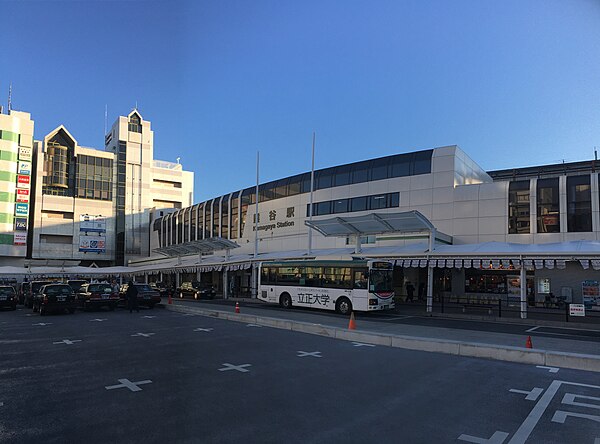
372	301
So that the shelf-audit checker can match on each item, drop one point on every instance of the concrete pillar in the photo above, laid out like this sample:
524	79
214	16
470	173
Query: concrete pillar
145	278
254	282
225	284
177	284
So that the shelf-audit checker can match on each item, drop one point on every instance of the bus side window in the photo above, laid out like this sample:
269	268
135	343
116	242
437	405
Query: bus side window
360	279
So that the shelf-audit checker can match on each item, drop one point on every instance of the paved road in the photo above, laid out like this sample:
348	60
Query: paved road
199	379
532	329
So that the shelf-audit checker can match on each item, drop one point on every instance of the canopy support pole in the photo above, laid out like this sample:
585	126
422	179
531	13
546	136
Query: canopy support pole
523	290
225	283
357	246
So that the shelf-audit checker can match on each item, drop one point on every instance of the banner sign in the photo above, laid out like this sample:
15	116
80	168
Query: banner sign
20	239
22	209
591	294
25	153
576	310
20	223
92	244
96	224
23	181
22	195
24	167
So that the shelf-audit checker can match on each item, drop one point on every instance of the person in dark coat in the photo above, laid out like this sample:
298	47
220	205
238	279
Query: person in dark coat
410	292
131	295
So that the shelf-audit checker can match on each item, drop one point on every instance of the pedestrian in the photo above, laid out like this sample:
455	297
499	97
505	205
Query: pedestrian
131	295
410	292
115	287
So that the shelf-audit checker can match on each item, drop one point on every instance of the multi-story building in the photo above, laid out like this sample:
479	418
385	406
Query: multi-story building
16	146
87	205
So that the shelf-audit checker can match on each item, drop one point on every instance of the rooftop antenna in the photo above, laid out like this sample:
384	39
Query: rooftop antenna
9	107
136	105
595	153
178	159
105	117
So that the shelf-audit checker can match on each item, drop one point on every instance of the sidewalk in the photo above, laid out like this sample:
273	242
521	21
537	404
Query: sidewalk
551	351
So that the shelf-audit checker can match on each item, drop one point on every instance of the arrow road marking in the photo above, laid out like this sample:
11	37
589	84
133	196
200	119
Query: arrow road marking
497	438
360	344
550	369
533	395
146	335
68	341
126	383
302	354
203	329
239	368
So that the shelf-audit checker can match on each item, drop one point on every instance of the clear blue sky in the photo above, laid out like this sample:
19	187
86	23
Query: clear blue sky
514	83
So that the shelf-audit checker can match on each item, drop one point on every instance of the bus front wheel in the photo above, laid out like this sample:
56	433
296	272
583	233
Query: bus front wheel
285	301
343	306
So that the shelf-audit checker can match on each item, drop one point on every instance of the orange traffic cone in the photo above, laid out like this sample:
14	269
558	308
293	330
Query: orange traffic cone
237	307
352	323
528	344
170	299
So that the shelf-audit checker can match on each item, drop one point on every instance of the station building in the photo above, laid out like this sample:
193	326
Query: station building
482	227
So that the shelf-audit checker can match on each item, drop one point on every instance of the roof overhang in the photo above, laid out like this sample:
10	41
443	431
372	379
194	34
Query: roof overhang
201	246
374	223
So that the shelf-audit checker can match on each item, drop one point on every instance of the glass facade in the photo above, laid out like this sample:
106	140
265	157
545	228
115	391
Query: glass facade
363	203
548	207
225	217
94	178
234	219
194	223
135	123
579	204
518	207
215	218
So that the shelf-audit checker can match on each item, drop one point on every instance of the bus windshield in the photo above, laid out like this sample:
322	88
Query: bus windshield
380	281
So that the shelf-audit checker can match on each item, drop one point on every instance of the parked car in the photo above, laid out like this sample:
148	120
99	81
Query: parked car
146	295
96	295
8	297
34	288
197	290
76	284
162	288
54	297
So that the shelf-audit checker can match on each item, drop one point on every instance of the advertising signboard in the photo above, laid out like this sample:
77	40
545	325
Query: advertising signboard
24	167
590	291
20	223
20	239
22	195
92	244
95	224
576	310
25	153
21	209
23	181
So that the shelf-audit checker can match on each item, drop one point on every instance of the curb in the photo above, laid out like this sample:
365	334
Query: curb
458	348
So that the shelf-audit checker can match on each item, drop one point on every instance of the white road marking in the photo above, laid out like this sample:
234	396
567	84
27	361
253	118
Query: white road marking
239	368
126	383
522	434
569	399
597	441
68	341
532	329
253	325
360	344
302	354
148	317
497	438
1	404
550	369
146	335
43	323
29	314
395	318
532	395
98	320
203	329
560	416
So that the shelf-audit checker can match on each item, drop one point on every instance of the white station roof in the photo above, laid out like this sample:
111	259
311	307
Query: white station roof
198	246
374	223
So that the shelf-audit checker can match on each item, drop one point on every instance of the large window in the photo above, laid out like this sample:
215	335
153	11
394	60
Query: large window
225	217
234	219
186	225
548	208
94	178
518	207
194	223
215	210
579	203
135	123
200	221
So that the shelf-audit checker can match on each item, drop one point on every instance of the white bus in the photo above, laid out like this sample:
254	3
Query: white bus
343	286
